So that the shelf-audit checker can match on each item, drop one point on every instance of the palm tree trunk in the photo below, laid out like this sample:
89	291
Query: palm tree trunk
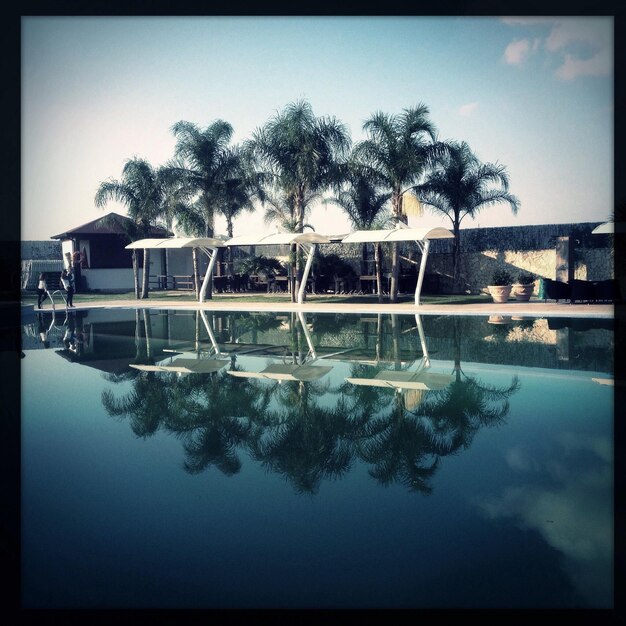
457	349
197	343
294	269
379	270
148	329
455	256
395	334
230	268
395	272
299	215
145	282
135	274
194	260
396	205
137	336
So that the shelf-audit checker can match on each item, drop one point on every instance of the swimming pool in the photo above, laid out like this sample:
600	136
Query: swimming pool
178	459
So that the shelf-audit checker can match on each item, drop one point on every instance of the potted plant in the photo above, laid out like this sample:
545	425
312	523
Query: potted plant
500	287
524	287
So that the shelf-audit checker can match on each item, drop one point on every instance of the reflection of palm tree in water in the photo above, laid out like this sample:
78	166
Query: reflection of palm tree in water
286	427
303	440
214	415
457	412
299	438
405	444
148	401
210	412
400	448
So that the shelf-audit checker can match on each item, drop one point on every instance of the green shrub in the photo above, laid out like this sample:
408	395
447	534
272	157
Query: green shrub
525	278
261	265
501	278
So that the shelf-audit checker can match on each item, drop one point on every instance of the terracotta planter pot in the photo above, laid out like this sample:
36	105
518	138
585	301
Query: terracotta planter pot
522	293
500	293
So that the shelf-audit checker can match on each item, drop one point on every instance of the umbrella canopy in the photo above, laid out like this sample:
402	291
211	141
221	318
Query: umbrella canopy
277	239
186	366
405	380
398	234
278	371
609	228
177	242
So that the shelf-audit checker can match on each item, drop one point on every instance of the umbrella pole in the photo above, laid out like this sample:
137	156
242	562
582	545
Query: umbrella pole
420	279
305	275
212	254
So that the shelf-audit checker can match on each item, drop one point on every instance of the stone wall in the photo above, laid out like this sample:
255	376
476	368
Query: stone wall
515	248
38	250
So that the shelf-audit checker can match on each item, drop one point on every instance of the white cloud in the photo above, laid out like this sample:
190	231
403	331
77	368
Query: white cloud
583	45
599	64
467	109
566	32
517	51
571	509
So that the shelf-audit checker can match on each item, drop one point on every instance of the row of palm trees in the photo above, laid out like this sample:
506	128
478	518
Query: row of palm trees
297	159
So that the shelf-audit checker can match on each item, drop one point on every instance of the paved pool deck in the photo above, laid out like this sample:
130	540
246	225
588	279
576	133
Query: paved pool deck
534	308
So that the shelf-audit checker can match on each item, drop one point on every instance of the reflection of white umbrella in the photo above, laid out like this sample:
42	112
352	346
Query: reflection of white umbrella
278	371
186	366
405	380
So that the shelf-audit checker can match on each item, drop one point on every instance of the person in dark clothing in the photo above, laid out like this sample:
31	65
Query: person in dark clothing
75	265
67	280
42	289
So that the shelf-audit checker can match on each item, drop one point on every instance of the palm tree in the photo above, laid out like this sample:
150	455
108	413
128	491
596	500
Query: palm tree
242	186
458	184
365	207
202	163
280	210
399	148
143	190
300	152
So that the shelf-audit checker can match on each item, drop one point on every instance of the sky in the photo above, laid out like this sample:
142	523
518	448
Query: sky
532	94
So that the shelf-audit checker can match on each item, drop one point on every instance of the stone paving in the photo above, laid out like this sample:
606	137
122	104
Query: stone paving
537	308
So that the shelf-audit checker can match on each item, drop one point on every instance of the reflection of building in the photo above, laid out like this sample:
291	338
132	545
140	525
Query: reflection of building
111	345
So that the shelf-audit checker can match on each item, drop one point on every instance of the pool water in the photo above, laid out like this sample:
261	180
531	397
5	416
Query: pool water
172	459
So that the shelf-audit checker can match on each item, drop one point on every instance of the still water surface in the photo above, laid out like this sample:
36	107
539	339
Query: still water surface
172	459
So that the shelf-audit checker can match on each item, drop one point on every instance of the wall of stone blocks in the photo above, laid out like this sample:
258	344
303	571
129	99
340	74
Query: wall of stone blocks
483	251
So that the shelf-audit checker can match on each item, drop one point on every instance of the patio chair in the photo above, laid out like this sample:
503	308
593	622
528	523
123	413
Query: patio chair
608	290
553	290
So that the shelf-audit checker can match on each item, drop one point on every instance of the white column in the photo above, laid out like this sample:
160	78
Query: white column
305	275
212	254
420	330
307	334
420	279
209	330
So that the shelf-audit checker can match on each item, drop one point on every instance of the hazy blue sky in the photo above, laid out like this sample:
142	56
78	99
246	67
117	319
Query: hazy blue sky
533	94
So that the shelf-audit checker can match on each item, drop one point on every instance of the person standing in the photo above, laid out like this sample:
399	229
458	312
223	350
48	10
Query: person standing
72	287
67	281
75	266
42	289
